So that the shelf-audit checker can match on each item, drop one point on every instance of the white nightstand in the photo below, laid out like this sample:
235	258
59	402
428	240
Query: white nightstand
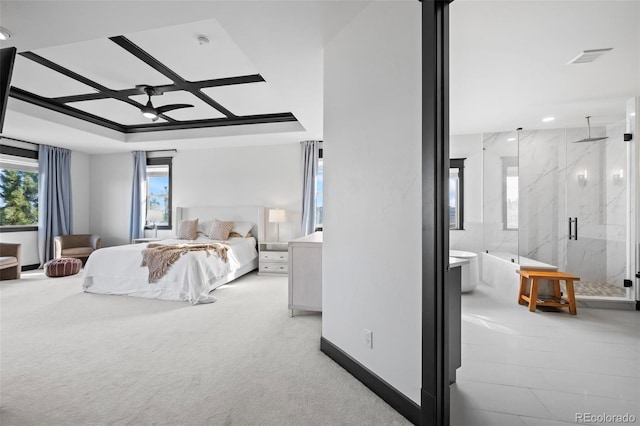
145	240
273	258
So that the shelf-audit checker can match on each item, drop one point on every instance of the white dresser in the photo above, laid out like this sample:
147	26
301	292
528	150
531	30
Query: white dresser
305	273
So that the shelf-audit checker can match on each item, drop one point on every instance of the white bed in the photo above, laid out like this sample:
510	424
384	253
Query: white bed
117	270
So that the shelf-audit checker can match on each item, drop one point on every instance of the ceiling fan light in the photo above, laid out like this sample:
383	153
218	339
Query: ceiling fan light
149	114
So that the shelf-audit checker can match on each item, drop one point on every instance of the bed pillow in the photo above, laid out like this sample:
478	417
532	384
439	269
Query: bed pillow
236	235
204	226
188	229
242	228
220	230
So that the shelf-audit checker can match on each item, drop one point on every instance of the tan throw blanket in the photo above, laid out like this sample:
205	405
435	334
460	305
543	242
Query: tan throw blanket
160	257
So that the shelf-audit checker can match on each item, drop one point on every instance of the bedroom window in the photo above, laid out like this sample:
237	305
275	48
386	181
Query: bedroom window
158	193
456	193
18	189
319	192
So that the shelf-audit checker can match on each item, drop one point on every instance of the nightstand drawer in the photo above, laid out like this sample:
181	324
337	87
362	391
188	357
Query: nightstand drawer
274	268
274	256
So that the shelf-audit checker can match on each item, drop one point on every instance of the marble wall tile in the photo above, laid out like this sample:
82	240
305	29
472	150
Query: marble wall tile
542	193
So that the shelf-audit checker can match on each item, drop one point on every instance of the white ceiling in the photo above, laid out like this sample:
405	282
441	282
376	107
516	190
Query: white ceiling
508	63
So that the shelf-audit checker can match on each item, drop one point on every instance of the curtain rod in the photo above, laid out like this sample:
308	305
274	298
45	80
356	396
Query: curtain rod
162	150
17	140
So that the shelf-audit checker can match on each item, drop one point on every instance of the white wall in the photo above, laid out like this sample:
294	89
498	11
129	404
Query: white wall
111	197
372	176
80	178
250	175
29	248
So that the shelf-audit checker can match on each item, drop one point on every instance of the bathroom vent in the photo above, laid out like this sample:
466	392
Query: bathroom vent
589	55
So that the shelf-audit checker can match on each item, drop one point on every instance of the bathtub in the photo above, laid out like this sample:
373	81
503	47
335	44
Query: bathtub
499	271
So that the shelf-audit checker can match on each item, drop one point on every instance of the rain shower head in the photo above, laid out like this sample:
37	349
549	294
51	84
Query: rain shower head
589	138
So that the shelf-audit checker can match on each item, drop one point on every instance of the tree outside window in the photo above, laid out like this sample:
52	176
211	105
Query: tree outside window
159	193
456	193
18	191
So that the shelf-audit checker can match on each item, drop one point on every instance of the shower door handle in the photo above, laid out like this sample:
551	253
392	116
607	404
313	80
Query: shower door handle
573	228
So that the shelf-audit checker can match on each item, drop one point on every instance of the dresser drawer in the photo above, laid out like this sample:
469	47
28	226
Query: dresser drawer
274	256
274	268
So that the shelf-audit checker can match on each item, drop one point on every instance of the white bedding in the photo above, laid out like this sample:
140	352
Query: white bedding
117	270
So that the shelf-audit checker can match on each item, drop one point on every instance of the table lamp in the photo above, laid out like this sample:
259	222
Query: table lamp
153	217
276	216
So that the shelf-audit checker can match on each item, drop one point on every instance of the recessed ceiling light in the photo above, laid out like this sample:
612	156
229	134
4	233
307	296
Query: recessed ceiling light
633	114
511	139
4	34
548	119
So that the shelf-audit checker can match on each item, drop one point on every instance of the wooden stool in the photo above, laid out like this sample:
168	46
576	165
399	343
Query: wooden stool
556	300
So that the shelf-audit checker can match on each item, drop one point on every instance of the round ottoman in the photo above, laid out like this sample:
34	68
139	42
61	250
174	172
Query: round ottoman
62	267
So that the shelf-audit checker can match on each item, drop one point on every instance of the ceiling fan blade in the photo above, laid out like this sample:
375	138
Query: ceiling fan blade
171	107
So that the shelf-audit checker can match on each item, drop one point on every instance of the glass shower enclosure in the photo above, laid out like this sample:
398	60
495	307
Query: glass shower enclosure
549	198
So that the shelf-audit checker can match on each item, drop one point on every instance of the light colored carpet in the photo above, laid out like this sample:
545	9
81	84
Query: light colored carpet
71	358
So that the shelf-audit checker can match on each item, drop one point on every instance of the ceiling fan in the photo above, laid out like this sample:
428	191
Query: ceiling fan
152	112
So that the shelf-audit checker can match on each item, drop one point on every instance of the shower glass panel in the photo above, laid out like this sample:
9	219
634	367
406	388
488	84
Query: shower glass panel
542	196
598	208
500	201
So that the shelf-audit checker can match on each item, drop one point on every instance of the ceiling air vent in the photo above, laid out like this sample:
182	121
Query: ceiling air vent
589	55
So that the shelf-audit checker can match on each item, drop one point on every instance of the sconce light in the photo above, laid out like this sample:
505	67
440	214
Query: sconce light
582	178
618	178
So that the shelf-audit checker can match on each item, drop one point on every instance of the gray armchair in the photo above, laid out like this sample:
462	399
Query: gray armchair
79	246
10	263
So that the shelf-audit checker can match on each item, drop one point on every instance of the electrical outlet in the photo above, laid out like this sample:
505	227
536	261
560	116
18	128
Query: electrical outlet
368	338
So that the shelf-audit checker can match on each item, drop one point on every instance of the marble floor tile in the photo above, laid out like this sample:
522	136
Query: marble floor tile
566	406
582	383
483	418
542	368
499	398
532	421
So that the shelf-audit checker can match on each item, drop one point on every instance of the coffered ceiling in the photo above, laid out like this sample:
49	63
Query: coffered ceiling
108	82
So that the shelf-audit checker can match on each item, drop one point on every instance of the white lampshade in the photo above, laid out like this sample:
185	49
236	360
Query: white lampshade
276	215
155	216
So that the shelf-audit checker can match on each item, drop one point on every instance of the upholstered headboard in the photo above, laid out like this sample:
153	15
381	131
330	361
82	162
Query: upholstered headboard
254	214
